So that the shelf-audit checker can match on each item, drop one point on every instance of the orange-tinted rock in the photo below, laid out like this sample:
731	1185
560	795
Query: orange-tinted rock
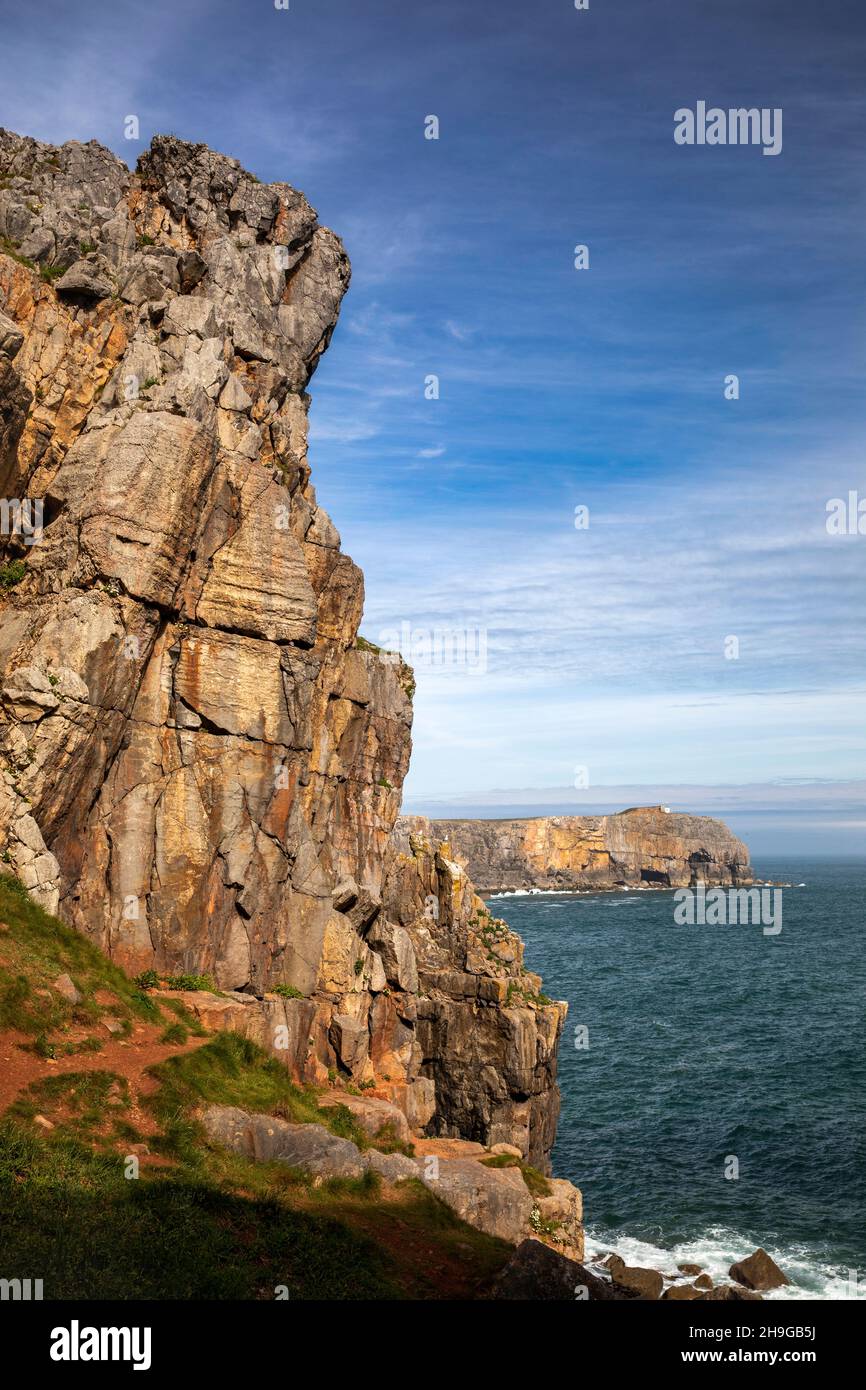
758	1271
647	845
198	756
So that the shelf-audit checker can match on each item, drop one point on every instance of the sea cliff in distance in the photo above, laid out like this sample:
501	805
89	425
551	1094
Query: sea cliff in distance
646	845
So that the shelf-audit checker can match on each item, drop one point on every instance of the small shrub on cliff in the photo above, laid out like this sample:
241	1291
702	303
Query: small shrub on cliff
540	1226
194	983
12	574
148	979
288	992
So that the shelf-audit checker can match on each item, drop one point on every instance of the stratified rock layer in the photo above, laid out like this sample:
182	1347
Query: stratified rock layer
647	845
201	764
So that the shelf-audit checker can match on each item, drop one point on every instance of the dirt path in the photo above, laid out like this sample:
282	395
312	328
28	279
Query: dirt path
127	1057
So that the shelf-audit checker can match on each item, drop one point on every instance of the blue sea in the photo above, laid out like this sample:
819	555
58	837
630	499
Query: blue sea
707	1043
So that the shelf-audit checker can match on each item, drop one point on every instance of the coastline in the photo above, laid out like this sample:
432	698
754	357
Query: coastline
681	1070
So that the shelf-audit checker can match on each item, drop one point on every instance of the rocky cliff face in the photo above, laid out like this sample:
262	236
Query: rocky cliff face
647	845
201	765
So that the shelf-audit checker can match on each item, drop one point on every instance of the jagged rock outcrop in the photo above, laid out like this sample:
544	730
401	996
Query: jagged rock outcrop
646	845
536	1273
201	764
495	1199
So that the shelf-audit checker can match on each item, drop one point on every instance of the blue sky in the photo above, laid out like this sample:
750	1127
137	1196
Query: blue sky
605	647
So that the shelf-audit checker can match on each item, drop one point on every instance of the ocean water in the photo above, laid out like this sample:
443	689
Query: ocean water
707	1043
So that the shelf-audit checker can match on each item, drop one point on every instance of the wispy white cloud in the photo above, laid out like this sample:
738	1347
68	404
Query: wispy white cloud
607	647
460	331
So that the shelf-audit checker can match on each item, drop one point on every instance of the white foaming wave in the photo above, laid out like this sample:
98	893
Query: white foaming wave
812	1277
534	893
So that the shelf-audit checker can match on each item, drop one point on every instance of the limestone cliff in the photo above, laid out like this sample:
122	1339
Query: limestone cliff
201	765
645	845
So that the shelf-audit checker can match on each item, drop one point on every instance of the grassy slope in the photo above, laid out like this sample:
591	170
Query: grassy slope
204	1223
35	950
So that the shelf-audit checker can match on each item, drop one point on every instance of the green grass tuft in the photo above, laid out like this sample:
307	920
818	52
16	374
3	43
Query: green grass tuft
175	1033
535	1181
193	983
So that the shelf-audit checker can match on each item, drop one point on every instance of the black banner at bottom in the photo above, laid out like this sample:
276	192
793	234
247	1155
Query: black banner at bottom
83	1339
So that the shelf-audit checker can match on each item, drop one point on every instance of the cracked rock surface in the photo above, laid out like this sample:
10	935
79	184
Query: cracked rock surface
201	765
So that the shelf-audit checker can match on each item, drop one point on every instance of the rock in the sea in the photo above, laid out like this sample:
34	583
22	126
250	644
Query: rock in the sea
644	1283
731	1293
758	1271
680	1292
